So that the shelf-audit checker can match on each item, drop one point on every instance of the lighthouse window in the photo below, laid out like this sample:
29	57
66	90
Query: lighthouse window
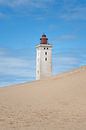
44	48
47	48
45	53
45	59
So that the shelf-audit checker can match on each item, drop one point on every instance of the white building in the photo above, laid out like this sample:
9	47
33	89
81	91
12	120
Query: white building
43	59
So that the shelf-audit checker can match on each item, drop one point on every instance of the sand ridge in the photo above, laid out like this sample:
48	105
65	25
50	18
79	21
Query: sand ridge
57	103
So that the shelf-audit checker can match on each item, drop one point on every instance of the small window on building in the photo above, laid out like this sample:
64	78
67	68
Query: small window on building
44	48
47	48
45	53
45	59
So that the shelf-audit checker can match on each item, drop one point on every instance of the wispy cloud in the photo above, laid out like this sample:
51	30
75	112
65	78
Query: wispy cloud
15	66
75	13
65	37
2	15
64	63
18	68
37	9
57	9
69	59
33	3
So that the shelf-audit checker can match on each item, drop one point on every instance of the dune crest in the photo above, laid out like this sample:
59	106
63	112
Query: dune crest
57	103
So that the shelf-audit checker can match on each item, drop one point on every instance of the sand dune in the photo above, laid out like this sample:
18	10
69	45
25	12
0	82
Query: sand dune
57	103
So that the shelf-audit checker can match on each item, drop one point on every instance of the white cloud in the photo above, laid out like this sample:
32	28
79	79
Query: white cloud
73	10
75	13
65	37
33	3
15	66
32	8
64	63
2	15
57	9
68	58
15	69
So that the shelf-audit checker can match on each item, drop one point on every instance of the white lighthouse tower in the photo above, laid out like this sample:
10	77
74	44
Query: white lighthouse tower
43	59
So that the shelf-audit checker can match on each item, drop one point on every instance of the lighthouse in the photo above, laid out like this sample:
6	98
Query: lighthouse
43	59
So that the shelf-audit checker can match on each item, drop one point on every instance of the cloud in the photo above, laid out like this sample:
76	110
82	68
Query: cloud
18	68
65	37
53	27
75	13
74	10
40	9
32	3
36	9
2	15
64	63
15	66
12	3
68	58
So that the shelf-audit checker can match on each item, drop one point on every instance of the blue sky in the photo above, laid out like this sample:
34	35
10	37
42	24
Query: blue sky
22	23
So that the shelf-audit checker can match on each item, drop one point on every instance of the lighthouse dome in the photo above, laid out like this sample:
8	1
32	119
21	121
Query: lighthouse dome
43	35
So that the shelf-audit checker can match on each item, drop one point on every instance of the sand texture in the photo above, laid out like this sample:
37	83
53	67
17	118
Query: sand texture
57	103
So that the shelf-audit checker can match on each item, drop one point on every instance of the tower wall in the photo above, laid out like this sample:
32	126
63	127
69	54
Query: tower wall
43	61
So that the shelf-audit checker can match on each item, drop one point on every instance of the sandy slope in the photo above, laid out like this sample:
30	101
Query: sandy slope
58	103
